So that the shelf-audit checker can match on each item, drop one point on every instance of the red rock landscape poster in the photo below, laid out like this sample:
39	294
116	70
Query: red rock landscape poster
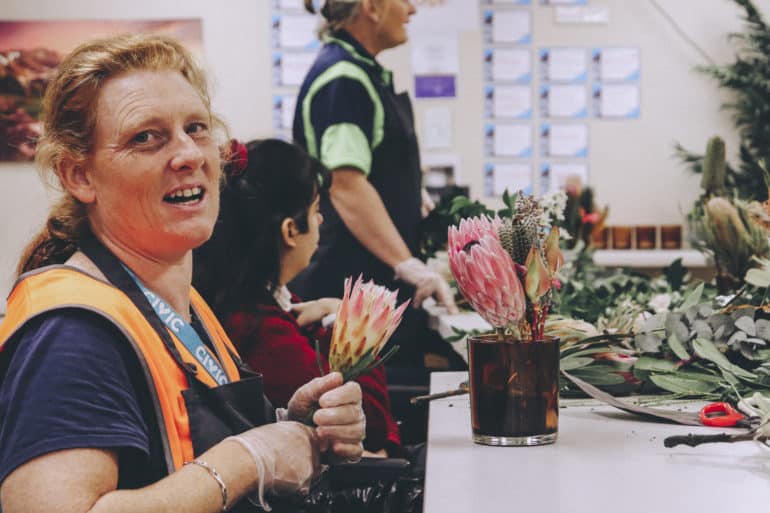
29	54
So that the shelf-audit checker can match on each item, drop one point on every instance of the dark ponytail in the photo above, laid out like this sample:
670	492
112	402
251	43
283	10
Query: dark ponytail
58	240
241	263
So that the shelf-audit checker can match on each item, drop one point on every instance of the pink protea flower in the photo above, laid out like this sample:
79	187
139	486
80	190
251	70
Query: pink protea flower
472	229
366	319
485	272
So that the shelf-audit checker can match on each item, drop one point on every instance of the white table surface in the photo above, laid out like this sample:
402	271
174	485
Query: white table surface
604	461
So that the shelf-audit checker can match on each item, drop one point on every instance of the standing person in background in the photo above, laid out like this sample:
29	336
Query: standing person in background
119	390
350	118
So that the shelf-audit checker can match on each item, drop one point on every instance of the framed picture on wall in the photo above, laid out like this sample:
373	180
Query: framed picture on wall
30	52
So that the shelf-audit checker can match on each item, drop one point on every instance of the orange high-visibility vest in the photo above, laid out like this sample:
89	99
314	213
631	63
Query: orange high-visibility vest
55	287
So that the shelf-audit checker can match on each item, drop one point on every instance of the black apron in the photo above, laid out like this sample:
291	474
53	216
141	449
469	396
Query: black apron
397	177
214	413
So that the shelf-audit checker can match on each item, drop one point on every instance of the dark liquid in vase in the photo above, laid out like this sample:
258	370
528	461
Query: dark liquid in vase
514	387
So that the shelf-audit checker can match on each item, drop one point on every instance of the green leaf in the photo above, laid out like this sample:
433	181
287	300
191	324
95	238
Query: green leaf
599	375
648	342
384	358
574	362
507	200
654	322
706	349
730	378
654	364
590	350
759	277
682	385
746	324
692	298
700	376
318	358
359	366
677	347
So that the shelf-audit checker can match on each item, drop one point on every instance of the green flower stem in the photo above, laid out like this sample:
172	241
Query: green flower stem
366	364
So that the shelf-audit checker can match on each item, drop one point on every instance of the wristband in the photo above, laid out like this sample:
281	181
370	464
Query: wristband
213	473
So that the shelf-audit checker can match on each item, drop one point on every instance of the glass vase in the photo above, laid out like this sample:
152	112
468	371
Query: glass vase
514	390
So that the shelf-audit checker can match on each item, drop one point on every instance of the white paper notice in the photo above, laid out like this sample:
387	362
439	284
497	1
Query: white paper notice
508	101
564	140
434	54
289	4
616	64
553	176
508	26
616	100
290	68
443	16
298	31
437	128
508	140
564	101
507	65
283	111
512	177
563	64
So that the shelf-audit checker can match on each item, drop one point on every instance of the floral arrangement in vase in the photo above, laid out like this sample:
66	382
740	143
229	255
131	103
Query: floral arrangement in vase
506	267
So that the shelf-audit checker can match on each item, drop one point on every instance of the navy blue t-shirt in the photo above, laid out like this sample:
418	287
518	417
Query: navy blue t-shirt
74	381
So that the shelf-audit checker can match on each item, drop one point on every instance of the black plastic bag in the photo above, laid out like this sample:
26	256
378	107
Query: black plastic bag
372	485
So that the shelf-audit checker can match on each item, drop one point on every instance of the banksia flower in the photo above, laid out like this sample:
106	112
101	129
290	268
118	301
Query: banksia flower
732	235
485	273
366	319
520	232
714	167
727	224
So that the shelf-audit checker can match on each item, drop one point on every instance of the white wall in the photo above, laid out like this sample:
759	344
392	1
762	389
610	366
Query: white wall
631	162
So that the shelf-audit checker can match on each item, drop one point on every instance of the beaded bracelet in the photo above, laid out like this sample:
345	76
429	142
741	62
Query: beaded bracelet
213	472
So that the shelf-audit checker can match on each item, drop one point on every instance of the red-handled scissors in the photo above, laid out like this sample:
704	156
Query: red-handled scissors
723	415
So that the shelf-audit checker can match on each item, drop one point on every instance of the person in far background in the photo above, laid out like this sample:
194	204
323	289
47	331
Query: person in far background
349	117
266	233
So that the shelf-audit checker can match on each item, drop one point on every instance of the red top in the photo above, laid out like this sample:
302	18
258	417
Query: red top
272	343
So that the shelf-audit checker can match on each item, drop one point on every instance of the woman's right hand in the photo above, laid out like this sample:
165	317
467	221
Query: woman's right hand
286	455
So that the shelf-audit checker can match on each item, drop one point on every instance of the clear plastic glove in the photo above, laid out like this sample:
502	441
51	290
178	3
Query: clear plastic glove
287	457
340	420
314	311
428	283
427	203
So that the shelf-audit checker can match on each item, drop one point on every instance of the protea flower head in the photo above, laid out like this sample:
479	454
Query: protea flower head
485	272
366	319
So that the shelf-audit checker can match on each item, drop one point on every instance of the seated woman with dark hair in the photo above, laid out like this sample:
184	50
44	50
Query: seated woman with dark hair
266	233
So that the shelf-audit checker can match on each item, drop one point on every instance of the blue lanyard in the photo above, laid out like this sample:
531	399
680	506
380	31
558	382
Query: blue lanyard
185	333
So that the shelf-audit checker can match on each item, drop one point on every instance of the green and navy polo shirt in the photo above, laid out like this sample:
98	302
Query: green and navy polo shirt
340	117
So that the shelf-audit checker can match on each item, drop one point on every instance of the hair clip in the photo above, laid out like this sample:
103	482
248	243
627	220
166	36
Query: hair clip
239	158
